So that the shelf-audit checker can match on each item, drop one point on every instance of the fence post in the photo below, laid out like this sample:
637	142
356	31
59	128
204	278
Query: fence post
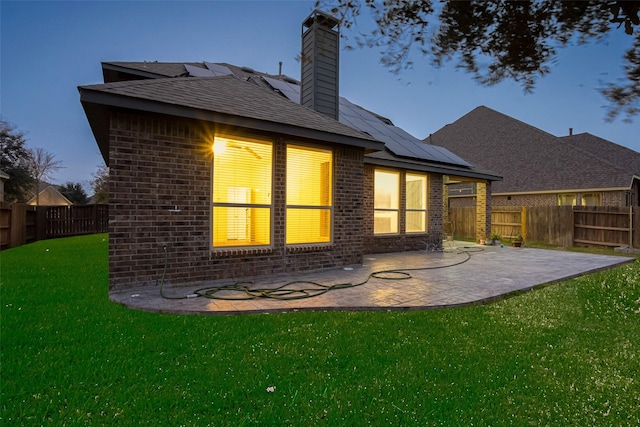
523	223
630	227
41	222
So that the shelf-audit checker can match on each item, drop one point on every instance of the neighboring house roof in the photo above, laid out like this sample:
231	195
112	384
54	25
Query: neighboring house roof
50	196
232	91
3	175
531	160
611	152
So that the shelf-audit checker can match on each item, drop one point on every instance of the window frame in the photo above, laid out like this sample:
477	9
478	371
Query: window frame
249	138
424	210
329	208
396	210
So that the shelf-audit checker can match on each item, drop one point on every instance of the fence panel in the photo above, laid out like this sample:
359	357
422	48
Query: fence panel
602	225
558	225
64	221
506	221
550	224
463	221
20	223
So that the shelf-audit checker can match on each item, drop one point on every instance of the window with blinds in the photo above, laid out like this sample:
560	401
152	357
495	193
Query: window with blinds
242	192
386	202
416	203
309	195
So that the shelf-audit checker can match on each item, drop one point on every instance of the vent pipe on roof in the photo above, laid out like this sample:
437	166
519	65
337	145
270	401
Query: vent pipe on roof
280	68
319	64
570	131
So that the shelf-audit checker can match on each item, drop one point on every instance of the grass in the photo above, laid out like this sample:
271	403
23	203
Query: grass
567	354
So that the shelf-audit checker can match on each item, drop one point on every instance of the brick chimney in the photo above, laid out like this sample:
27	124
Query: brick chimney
319	63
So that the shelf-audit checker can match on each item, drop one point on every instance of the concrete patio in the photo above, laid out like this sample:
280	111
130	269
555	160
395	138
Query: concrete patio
464	274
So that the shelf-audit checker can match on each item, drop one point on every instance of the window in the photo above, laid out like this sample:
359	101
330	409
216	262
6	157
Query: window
591	199
416	204
242	177
309	195
566	199
386	202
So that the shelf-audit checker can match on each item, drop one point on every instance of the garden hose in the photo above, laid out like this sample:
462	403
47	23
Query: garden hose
300	289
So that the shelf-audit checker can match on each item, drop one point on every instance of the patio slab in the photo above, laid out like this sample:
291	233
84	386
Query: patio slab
464	274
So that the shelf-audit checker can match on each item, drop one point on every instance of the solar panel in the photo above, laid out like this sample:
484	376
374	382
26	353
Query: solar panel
398	141
198	72
218	70
290	90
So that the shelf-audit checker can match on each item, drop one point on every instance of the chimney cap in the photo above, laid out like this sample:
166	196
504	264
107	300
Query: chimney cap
322	18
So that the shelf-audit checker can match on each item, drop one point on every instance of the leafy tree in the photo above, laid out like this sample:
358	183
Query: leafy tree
74	192
15	162
43	164
100	185
495	40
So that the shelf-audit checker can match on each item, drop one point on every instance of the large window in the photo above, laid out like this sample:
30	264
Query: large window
416	204
386	202
242	199
309	195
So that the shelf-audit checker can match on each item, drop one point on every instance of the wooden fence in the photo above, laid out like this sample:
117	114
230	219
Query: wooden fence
20	223
557	225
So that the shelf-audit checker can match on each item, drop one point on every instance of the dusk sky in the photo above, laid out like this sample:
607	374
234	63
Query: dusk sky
50	48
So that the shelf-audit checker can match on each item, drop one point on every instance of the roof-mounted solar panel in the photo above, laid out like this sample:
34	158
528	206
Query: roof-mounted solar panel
198	72
290	90
217	70
396	139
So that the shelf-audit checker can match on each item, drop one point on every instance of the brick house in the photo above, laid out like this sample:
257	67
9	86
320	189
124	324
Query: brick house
540	169
228	173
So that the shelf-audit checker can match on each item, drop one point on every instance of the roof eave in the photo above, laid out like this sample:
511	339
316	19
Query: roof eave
97	103
433	168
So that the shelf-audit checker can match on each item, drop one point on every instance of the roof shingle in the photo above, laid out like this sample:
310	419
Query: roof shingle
529	159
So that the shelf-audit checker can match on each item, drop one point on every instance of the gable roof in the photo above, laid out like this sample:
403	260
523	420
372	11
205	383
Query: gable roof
226	100
608	151
400	149
529	159
49	196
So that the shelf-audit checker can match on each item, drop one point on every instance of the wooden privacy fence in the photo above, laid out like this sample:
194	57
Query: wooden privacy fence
20	223
608	226
557	225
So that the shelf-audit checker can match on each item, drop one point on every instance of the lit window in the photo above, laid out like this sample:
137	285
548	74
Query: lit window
386	202
309	195
591	199
566	199
242	171
416	205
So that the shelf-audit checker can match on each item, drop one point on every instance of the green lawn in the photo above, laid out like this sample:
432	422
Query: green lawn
565	355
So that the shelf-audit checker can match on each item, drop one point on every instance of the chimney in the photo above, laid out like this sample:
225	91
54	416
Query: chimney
319	63
570	131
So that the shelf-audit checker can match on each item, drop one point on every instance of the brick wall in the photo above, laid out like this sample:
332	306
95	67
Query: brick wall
160	194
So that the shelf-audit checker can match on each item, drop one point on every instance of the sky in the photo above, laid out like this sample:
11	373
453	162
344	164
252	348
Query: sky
48	49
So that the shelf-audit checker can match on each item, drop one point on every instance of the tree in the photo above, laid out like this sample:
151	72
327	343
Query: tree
43	164
495	40
15	162
74	192
100	185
